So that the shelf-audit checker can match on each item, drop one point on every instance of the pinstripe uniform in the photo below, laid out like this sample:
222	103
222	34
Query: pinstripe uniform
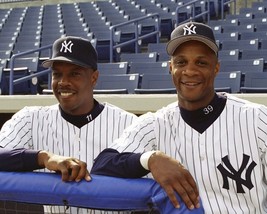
43	128
227	160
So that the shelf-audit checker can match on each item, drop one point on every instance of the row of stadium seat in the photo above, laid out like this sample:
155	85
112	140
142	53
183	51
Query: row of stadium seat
161	83
139	63
86	19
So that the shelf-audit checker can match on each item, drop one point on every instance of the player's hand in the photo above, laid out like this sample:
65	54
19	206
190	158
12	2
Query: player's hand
173	177
71	169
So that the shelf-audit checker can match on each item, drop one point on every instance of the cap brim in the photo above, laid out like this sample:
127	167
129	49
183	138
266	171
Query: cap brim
48	63
175	43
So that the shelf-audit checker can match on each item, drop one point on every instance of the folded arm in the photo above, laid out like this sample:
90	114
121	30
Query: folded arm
112	163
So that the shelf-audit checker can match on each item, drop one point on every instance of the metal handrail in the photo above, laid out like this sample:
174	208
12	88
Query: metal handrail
137	36
13	82
227	2
194	16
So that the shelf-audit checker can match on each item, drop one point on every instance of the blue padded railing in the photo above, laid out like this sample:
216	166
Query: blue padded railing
13	82
137	36
102	193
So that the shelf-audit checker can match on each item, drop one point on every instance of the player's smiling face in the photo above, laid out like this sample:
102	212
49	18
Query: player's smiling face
73	87
194	66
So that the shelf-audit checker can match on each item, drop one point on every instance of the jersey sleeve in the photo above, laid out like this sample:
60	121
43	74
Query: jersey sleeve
18	159
16	132
139	137
122	158
262	136
112	163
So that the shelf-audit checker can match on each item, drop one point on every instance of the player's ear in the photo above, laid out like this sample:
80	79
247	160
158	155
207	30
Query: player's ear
94	77
170	66
217	67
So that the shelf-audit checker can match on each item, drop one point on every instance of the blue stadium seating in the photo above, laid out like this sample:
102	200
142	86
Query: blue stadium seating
113	68
124	83
139	57
149	68
255	83
156	84
245	65
228	82
229	54
24	28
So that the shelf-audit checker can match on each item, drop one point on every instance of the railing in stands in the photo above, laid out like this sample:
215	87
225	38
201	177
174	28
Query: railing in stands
137	36
193	15
225	2
13	82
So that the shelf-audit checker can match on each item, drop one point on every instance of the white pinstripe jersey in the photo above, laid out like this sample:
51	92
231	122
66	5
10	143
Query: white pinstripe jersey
43	128
239	134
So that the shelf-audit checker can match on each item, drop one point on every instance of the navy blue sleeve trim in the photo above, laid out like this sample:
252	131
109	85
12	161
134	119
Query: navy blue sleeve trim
30	160
112	163
18	159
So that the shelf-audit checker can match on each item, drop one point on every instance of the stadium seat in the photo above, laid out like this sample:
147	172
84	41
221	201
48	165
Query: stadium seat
263	43
240	28
261	26
217	29
255	83
139	57
229	54
156	47
149	67
253	10
253	35
252	44
254	21
24	88
5	54
240	16
163	56
113	68
259	15
254	54
215	22
156	84
124	83
245	65
228	82
132	10
166	21
31	63
103	45
222	37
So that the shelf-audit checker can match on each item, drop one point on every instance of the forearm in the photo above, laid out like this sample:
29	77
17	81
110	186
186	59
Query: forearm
18	160
112	163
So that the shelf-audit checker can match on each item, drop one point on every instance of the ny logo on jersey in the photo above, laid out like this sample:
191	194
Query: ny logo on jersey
236	175
66	47
188	30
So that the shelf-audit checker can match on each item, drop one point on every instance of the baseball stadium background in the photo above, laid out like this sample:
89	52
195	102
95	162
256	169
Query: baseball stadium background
130	37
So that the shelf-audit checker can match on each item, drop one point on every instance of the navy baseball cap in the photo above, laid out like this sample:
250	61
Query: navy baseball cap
75	50
192	31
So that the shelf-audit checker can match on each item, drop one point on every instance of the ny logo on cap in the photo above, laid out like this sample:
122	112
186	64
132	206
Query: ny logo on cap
66	47
189	29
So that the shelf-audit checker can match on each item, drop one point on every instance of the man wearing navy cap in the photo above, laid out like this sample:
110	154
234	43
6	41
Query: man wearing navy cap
208	144
79	126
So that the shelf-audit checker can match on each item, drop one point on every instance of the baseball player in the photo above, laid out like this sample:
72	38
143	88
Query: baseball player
29	160
79	126
207	144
